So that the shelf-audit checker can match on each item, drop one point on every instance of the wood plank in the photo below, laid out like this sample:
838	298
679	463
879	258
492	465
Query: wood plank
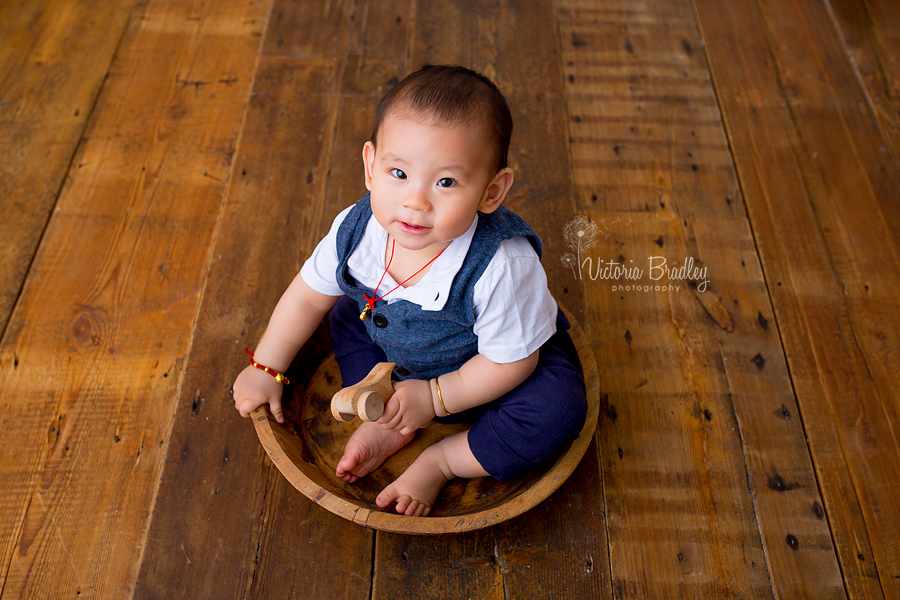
559	549
827	249
521	558
54	55
447	566
871	32
311	29
309	553
376	59
693	450
816	87
544	553
556	550
255	517
94	351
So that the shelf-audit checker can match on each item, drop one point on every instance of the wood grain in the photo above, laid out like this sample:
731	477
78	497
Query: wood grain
871	32
813	85
695	379
54	56
95	348
822	237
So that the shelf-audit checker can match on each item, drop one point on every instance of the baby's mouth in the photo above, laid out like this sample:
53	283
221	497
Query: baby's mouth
412	228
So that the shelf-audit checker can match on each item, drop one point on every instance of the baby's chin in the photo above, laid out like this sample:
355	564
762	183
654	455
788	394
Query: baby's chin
420	243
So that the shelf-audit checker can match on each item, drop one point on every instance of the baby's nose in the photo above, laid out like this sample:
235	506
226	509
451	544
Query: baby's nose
416	199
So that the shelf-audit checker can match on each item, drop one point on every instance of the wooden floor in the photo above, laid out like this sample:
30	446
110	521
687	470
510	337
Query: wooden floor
167	165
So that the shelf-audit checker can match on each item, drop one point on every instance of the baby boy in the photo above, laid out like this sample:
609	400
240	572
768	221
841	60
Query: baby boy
429	271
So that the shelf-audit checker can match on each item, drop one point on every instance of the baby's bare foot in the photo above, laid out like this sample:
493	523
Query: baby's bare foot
417	489
367	449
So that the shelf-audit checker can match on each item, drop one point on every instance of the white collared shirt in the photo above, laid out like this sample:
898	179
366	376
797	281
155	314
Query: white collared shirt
514	310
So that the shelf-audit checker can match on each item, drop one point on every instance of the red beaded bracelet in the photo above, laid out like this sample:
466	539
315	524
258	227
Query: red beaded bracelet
279	377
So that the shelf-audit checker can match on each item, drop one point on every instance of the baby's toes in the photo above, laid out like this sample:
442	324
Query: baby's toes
404	503
348	477
385	498
415	509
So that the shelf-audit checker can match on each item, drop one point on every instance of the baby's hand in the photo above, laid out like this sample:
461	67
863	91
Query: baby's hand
410	408
253	388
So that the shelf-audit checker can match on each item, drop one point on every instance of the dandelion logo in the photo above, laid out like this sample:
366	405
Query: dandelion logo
579	234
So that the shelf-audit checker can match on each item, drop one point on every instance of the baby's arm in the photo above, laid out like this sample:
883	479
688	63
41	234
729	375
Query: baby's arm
477	382
480	381
296	316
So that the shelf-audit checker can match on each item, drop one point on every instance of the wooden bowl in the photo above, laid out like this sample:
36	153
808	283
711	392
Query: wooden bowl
307	447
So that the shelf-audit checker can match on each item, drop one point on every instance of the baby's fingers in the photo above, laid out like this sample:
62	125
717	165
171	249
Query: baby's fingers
245	405
275	409
394	421
391	410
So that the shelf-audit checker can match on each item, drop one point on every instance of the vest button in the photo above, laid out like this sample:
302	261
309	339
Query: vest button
380	321
401	371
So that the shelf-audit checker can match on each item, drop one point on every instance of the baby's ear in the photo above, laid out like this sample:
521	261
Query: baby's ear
368	156
497	190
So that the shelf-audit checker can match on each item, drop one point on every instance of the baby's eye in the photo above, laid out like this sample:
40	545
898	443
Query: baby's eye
446	182
398	173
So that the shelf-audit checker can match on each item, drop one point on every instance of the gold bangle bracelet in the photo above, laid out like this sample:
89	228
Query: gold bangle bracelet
441	397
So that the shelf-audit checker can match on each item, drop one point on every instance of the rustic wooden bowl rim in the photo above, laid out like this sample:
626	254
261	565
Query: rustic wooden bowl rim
317	489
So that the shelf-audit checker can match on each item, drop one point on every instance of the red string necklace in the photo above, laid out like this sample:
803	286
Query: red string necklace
370	302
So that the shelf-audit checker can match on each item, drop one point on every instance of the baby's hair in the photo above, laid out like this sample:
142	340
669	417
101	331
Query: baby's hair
452	95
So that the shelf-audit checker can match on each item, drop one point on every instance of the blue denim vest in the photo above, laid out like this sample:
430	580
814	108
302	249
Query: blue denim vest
425	344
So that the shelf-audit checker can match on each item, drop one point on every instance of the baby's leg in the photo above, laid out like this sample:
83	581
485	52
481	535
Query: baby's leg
417	489
534	422
367	449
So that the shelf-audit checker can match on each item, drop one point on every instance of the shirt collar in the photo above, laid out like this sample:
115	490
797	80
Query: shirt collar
367	264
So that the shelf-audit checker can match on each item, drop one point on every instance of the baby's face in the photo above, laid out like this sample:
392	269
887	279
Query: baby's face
427	181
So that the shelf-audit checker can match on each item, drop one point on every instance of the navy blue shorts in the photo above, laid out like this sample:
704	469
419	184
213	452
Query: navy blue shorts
520	430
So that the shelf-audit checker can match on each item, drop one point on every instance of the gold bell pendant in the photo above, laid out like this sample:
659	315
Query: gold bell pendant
365	313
